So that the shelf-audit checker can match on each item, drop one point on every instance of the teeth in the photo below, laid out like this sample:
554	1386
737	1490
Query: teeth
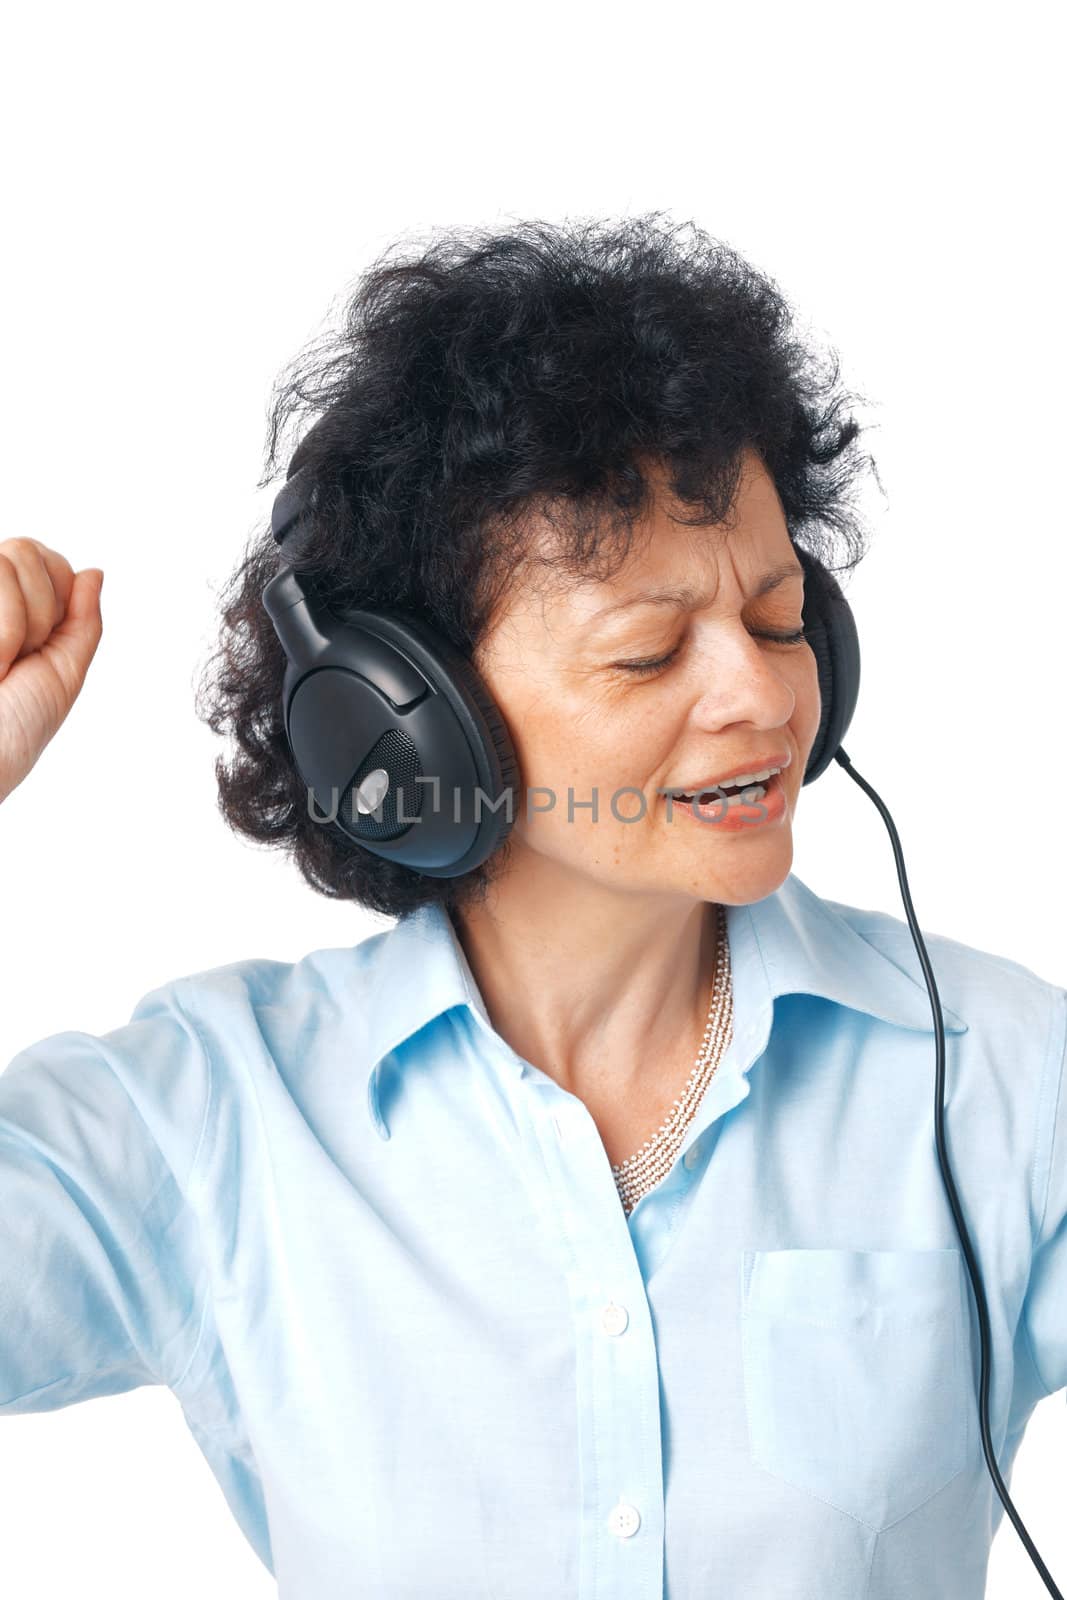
749	796
744	779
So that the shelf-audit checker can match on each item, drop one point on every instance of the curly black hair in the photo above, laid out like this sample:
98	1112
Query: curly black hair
484	376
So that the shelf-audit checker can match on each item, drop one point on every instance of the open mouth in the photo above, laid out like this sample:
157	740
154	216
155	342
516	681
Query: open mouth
751	793
722	801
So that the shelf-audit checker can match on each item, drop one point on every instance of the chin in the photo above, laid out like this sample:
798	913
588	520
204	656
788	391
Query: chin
739	878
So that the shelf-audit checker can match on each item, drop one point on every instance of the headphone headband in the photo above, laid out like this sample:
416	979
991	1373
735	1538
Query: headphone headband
296	496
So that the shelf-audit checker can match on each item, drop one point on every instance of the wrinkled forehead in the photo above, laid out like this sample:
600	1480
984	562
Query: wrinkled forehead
668	548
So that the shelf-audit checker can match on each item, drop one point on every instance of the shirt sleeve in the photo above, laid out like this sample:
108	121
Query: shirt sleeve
1044	1310
100	1288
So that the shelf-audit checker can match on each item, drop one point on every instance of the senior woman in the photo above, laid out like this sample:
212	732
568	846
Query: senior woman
581	1233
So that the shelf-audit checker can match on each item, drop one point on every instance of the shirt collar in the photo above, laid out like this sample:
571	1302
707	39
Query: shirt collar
790	942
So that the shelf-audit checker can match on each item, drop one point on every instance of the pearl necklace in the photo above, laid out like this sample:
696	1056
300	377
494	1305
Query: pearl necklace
642	1171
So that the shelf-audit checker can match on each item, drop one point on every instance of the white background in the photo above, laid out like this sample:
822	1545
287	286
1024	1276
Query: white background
186	196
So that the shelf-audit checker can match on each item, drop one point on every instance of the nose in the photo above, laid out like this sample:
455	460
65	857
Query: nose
743	680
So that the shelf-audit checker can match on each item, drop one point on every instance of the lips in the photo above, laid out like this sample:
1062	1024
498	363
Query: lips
732	814
780	759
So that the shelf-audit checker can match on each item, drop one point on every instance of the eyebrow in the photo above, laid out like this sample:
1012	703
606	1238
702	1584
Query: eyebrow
686	595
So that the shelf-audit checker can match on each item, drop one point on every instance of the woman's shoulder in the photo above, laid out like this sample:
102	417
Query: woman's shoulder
188	1036
994	993
253	981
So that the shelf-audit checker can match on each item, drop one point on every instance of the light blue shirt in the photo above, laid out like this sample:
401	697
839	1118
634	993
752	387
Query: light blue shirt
383	1265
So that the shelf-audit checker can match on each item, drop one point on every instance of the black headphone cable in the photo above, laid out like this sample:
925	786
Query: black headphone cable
950	1187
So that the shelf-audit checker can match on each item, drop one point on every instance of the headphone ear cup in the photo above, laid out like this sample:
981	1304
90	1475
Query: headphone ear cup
455	677
834	640
496	728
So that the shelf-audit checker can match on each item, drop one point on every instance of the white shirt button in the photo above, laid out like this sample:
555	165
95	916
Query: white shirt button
624	1520
692	1156
613	1318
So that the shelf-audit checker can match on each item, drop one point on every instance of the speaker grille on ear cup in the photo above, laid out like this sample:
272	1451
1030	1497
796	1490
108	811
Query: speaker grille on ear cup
397	755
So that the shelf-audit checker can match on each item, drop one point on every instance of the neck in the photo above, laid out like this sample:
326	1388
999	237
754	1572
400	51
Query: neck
606	992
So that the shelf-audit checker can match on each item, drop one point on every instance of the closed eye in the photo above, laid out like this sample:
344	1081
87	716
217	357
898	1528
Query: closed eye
641	667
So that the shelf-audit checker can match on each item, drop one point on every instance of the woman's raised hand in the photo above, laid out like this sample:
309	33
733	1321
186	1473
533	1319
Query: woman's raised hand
50	626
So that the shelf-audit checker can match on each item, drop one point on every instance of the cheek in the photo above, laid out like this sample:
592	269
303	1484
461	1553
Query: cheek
563	748
808	709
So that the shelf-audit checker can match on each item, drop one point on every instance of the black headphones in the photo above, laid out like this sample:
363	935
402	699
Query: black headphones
379	709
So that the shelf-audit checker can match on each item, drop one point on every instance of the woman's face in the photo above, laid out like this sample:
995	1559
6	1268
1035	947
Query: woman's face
585	725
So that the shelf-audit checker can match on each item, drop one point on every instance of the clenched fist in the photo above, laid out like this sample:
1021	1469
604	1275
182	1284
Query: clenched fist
50	627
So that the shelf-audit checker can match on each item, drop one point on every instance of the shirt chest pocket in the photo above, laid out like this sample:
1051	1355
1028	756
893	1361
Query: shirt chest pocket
857	1389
